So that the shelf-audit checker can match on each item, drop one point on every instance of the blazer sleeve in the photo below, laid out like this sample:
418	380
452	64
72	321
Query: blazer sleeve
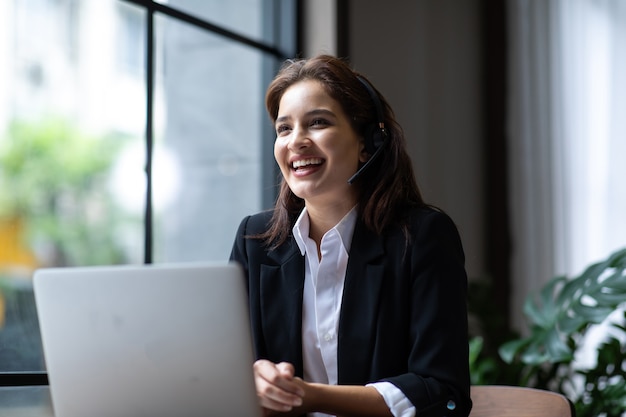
437	381
245	252
238	251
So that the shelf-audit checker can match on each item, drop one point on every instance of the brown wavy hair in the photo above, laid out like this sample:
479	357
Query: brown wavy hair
387	187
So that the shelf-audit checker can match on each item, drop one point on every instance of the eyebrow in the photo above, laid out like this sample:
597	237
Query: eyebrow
314	112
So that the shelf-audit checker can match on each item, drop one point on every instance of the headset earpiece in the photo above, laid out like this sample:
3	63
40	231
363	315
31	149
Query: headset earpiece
374	138
375	133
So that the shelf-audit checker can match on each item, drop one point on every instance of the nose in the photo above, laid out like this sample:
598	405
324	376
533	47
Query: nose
299	138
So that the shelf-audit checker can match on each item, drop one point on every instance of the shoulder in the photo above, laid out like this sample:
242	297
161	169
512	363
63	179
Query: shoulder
419	220
434	231
251	244
426	228
247	243
255	224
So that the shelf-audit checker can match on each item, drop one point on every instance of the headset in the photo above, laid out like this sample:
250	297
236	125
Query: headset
375	135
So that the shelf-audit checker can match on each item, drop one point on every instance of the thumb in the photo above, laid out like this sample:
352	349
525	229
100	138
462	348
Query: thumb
286	369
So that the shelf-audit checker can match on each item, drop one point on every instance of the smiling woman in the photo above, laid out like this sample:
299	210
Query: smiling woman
317	149
356	287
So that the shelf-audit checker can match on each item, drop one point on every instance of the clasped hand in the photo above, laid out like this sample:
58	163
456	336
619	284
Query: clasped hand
279	390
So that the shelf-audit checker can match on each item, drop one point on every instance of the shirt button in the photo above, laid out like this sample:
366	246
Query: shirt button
328	337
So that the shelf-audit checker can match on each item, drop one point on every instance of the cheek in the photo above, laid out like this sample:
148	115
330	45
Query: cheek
279	152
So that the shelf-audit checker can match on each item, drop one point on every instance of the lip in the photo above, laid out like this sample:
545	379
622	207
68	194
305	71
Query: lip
307	169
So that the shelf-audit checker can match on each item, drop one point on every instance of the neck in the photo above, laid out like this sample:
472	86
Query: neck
322	219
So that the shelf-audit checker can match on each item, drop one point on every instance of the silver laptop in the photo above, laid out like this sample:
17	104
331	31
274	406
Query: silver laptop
147	341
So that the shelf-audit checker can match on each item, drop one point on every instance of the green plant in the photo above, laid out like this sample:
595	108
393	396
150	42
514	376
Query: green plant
52	176
559	319
488	331
483	368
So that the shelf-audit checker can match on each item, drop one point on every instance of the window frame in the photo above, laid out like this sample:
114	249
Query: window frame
281	20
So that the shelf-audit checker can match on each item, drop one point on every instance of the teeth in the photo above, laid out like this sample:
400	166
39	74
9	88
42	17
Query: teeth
304	162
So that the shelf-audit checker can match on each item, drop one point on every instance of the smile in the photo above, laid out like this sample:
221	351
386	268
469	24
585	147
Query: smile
302	163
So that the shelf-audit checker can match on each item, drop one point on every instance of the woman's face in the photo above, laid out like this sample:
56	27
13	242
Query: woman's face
316	147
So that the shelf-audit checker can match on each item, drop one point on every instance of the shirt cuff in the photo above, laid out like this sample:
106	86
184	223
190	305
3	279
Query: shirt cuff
398	403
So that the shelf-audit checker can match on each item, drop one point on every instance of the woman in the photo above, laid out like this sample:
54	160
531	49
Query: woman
357	288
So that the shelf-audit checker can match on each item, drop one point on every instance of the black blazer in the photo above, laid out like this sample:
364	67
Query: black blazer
403	316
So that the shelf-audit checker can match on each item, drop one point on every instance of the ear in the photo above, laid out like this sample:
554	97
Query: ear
364	156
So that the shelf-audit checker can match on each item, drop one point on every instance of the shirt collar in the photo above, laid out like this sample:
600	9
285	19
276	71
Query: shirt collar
345	228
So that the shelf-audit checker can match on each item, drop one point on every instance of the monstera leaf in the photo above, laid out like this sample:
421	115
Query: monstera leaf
564	309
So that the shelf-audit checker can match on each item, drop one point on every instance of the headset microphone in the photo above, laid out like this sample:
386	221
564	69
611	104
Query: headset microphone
375	134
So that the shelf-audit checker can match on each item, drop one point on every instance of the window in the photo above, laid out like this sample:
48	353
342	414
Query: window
134	133
567	130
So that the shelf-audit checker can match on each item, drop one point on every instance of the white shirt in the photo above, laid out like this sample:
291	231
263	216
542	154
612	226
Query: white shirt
321	305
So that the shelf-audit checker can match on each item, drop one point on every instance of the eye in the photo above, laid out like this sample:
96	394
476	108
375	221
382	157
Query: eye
319	123
282	128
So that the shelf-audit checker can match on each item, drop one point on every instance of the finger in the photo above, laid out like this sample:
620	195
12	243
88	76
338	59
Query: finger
275	387
275	406
286	370
280	375
276	398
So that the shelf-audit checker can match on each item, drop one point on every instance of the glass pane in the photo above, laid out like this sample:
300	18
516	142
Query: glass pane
244	17
207	161
73	108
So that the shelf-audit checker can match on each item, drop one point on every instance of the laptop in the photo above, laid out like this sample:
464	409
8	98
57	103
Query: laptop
147	341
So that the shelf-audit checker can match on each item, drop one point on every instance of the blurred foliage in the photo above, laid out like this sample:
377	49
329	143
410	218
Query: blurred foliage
488	331
483	368
53	177
559	319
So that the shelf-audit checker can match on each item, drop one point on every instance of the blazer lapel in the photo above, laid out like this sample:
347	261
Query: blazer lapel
359	306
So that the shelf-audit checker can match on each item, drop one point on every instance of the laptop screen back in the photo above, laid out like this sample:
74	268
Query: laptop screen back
159	340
